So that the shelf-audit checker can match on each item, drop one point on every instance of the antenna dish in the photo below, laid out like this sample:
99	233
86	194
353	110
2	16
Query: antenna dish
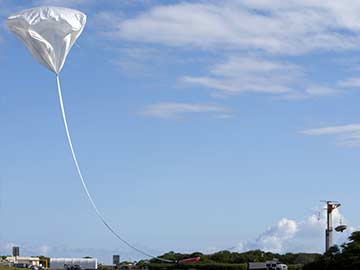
341	228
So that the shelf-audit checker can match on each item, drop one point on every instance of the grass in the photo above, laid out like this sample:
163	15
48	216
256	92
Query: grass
2	267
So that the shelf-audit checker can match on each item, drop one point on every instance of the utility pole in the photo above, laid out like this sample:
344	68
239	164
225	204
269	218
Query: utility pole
330	206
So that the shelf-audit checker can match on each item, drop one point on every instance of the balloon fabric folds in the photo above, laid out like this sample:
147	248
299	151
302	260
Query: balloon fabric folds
48	33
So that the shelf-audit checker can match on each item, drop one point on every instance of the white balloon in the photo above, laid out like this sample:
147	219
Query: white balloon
48	32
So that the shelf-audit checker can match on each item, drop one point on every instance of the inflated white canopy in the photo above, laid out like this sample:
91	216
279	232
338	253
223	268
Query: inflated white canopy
48	32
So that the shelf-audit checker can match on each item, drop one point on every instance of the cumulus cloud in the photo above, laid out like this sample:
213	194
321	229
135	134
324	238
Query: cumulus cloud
177	110
289	235
273	239
345	135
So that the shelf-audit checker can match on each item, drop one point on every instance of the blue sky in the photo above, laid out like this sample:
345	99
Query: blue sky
199	125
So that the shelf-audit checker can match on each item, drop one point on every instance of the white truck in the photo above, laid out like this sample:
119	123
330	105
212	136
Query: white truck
268	265
73	263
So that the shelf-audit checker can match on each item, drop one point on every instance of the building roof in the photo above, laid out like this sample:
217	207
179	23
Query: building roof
21	258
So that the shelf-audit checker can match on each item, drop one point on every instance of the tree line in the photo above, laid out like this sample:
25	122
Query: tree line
227	260
344	257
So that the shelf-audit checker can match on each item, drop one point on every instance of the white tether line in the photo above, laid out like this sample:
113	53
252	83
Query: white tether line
98	213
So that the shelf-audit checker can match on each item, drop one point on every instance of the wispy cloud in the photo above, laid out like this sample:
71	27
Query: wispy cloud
345	135
142	61
248	74
320	91
313	91
309	25
178	110
262	29
350	82
333	130
260	75
65	3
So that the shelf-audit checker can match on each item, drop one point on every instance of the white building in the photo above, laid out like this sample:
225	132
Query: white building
73	264
26	261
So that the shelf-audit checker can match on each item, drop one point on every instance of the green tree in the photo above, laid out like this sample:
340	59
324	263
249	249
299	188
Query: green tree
345	258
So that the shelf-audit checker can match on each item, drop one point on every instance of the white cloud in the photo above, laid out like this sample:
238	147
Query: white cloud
249	74
272	26
319	91
101	20
241	28
346	135
177	110
313	91
333	130
273	239
65	3
289	235
351	83
254	74
224	116
143	61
